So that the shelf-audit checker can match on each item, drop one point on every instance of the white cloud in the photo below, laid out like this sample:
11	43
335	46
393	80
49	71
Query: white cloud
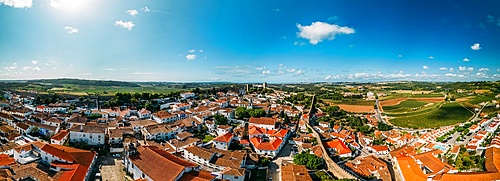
281	65
144	73
145	9
484	69
18	3
470	69
431	57
132	12
476	46
125	24
191	51
34	61
266	72
299	43
465	60
491	19
462	68
27	68
201	51
36	69
498	70
71	30
425	67
191	57
450	75
451	69
319	31
260	68
109	69
291	70
280	72
55	4
400	56
443	68
300	72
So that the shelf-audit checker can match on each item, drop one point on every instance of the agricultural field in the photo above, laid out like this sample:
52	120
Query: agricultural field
440	114
81	90
404	106
360	102
356	108
477	99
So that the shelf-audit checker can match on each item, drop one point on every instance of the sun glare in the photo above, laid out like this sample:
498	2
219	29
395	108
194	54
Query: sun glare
69	5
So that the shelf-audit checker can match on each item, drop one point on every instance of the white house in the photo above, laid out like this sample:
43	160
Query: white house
187	95
60	138
379	149
144	113
92	135
164	117
143	163
223	142
264	122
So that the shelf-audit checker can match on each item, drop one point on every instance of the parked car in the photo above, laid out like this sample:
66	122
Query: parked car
116	156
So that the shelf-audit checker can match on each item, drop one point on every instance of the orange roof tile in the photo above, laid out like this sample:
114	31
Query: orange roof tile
60	135
410	169
338	145
226	138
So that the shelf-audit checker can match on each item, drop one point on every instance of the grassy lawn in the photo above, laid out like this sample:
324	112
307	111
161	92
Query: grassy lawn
258	175
208	138
404	106
437	116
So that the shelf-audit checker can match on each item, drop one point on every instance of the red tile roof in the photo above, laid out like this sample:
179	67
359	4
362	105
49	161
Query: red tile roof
338	145
226	138
149	158
60	135
272	145
81	160
265	120
6	160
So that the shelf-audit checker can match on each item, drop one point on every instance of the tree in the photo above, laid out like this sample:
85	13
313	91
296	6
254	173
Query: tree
241	112
286	119
256	113
311	161
220	119
384	127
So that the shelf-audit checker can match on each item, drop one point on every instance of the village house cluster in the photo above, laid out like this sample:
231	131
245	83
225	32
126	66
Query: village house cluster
203	139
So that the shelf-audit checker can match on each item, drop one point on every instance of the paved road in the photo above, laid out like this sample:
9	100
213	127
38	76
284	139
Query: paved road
111	169
285	155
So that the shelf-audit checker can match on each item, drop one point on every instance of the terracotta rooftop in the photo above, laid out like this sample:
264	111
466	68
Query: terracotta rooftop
60	135
410	169
264	120
226	138
295	173
149	158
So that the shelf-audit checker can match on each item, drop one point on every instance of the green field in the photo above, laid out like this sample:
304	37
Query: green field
426	95
81	90
405	106
441	114
482	98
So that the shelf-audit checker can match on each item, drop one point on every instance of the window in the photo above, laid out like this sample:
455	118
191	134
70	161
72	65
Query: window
235	177
142	175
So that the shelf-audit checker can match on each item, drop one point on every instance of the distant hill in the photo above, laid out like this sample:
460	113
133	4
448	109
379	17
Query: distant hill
83	82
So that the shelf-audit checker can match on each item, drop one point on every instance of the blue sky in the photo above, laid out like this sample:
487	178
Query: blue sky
250	41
